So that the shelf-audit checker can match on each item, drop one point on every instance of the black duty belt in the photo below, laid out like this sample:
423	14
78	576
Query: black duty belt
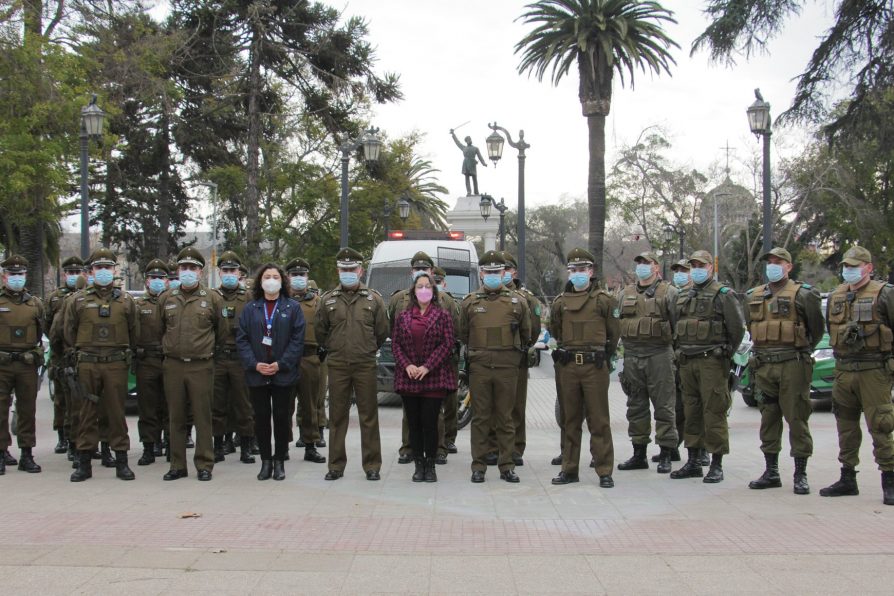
190	359
563	356
778	357
150	353
96	358
26	356
682	358
226	354
858	365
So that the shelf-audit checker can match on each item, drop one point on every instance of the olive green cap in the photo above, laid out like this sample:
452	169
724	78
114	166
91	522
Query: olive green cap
348	258
702	256
157	267
229	259
681	264
190	256
510	260
312	284
777	252
243	269
103	256
15	264
645	256
439	272
580	256
856	255
172	267
492	260
421	259
298	265
73	262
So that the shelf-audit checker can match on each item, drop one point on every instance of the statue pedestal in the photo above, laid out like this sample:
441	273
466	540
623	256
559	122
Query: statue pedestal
466	217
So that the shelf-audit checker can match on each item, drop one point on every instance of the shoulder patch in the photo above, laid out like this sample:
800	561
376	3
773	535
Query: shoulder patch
806	286
724	290
375	291
537	310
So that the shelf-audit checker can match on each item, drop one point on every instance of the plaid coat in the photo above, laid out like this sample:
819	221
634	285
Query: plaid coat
437	347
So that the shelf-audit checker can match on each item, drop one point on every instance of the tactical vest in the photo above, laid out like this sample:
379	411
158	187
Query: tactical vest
494	323
855	325
583	324
644	316
309	304
149	314
234	302
774	320
102	320
700	322
19	322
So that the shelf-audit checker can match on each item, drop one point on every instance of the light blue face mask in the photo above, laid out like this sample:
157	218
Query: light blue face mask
90	280
417	273
229	281
16	283
775	272
507	278
643	271
189	279
681	279
72	281
174	284
852	274
298	283
103	277
579	279
348	279
492	281
699	275
156	285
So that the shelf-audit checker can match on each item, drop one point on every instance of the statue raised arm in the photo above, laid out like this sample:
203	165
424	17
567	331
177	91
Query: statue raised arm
470	166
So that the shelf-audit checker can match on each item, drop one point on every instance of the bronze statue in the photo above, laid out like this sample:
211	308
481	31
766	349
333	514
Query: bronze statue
470	168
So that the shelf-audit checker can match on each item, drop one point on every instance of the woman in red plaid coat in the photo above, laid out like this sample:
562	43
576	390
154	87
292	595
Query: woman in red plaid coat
422	341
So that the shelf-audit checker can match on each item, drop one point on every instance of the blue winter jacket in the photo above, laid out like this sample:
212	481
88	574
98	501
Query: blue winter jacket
288	342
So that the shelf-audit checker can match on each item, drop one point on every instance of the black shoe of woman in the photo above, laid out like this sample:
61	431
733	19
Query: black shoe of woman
266	469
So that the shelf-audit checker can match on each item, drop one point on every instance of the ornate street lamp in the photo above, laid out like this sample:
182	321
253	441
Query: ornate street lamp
92	118
403	207
759	121
495	152
371	149
485	205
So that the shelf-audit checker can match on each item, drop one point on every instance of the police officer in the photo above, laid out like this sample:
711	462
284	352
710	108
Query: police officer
496	326
101	323
448	443
72	270
191	323
308	388
786	323
860	319
150	383
710	327
351	325
230	409
586	330
323	391
648	315
21	328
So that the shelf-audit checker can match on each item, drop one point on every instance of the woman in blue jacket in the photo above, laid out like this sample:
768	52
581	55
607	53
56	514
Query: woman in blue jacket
270	341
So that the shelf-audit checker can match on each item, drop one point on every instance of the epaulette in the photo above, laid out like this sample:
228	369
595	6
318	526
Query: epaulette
175	292
375	291
116	293
397	291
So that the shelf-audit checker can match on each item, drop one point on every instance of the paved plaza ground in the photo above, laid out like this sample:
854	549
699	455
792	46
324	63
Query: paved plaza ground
649	534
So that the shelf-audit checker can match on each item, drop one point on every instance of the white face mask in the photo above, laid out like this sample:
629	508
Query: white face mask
271	286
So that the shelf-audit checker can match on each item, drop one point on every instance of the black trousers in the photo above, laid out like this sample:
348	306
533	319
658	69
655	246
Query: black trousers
422	420
271	401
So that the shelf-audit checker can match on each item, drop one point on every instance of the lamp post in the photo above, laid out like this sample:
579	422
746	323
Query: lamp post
91	128
403	207
485	205
759	120
371	148
387	210
213	275
671	232
495	152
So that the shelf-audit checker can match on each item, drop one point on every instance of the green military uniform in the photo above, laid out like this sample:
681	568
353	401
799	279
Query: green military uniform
151	404
191	322
586	331
786	323
307	389
679	412
450	404
496	326
72	266
322	418
647	318
351	325
101	324
22	322
860	322
231	409
710	327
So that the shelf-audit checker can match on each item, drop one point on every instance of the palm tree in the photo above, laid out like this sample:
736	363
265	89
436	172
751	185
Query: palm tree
601	37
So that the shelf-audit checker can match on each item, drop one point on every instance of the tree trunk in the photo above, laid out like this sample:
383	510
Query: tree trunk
32	232
252	194
596	189
165	206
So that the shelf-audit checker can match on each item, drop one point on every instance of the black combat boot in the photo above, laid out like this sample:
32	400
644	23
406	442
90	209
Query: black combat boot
703	459
8	459
664	461
72	451
845	487
312	455
148	456
85	467
219	449
321	442
266	469
228	445
122	470
2	466
256	449
800	486
431	474
675	455
691	469
770	477
279	469
62	445
190	444
157	449
26	462
419	472
715	472
638	461
888	487
106	458
405	458
245	455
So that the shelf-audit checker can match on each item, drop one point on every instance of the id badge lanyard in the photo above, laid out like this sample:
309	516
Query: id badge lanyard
268	322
